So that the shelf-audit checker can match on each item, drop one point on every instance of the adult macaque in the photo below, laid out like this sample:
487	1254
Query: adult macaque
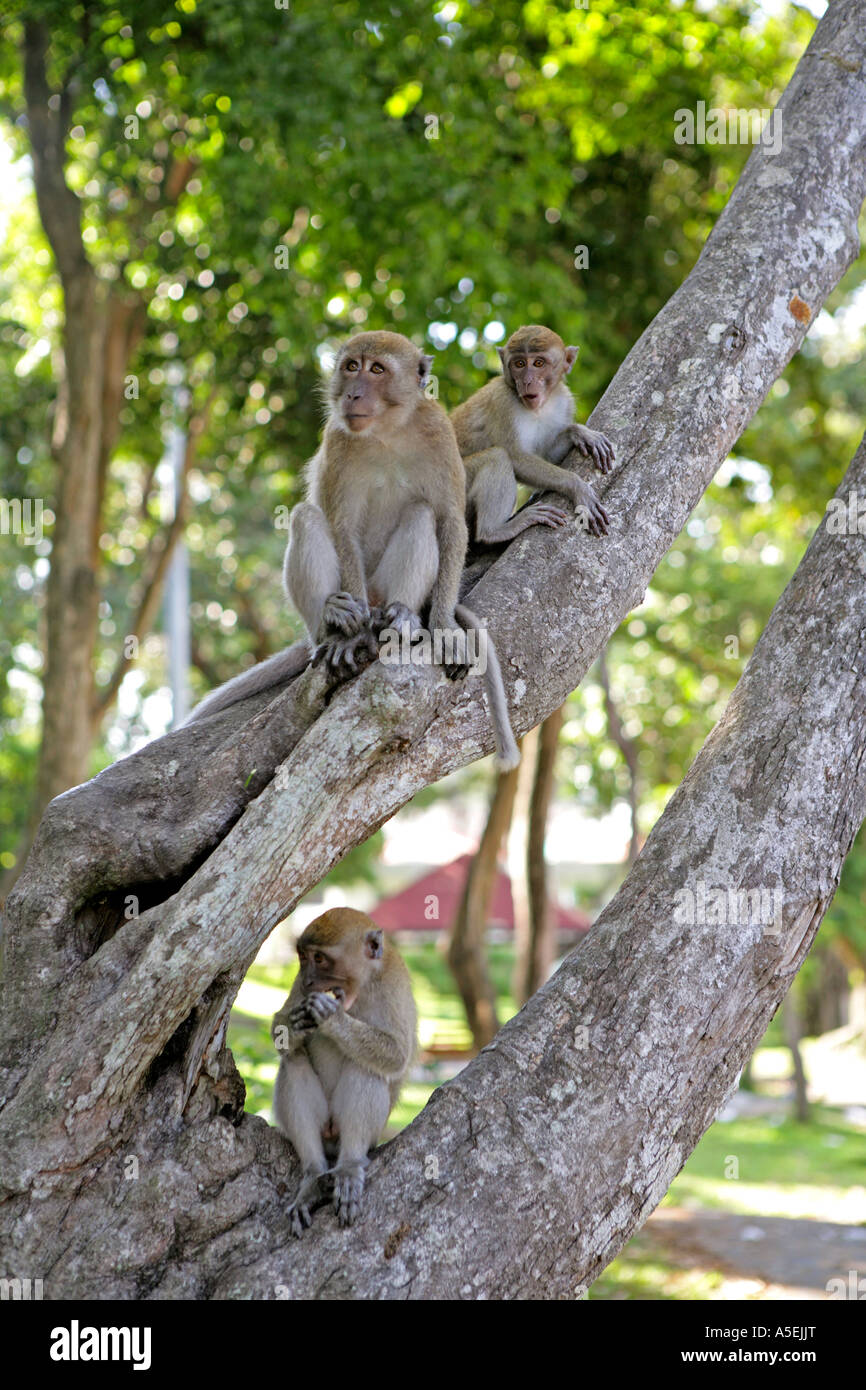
346	1036
382	534
519	428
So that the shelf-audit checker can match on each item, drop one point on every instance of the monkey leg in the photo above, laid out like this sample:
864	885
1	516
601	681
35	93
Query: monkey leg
311	571
409	565
492	494
360	1105
301	1111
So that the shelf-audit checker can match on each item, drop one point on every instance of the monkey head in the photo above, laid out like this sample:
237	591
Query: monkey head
534	361
376	382
339	953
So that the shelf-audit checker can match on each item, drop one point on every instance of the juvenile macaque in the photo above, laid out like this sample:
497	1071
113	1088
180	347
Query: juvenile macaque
519	428
382	534
346	1036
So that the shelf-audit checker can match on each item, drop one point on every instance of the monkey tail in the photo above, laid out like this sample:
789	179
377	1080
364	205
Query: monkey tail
507	751
265	676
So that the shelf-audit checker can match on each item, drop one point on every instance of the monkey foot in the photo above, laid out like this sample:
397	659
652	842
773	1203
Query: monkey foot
543	514
348	1191
345	614
299	1212
346	656
397	615
300	1219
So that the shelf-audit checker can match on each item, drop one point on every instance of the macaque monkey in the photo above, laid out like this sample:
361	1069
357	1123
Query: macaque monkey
519	428
346	1036
381	536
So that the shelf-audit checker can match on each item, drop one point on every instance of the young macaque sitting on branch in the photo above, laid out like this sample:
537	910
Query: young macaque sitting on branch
346	1036
381	538
519	428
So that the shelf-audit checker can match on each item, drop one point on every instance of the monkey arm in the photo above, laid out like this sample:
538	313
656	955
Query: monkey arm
374	1049
539	472
452	538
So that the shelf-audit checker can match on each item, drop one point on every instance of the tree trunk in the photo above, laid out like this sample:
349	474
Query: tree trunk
793	1033
101	331
467	955
518	867
628	749
542	923
71	594
149	888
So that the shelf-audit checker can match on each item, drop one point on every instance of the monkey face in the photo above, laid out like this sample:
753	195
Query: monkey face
377	373
534	361
362	394
328	972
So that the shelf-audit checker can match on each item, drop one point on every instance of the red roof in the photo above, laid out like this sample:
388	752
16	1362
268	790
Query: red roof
431	903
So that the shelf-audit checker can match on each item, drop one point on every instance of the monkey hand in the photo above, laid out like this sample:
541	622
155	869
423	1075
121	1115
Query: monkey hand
589	512
593	445
343	613
320	1006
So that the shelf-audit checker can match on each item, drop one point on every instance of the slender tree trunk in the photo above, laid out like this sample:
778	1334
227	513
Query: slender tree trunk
467	955
518	867
793	1033
628	749
542	923
71	594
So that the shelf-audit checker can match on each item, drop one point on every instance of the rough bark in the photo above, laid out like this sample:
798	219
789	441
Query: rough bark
585	1106
467	954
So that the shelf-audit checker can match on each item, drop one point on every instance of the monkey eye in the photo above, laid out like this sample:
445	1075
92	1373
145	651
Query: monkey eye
539	362
520	361
318	958
377	368
351	365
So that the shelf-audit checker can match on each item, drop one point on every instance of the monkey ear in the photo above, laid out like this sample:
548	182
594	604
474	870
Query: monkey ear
570	358
504	360
425	362
373	944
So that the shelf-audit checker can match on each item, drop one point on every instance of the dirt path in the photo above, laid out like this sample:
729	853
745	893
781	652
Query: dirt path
770	1257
